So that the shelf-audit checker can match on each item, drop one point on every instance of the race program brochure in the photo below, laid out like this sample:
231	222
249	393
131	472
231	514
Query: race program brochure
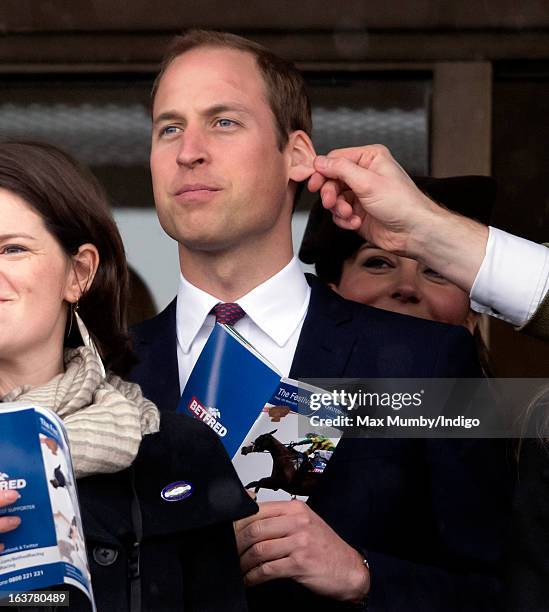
48	548
283	457
228	386
262	419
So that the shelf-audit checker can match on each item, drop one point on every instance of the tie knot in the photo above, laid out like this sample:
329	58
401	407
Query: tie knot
227	313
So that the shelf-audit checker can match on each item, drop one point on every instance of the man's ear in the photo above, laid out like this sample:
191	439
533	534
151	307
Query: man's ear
301	154
84	265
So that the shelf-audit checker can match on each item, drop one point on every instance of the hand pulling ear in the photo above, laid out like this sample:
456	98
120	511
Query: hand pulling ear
302	154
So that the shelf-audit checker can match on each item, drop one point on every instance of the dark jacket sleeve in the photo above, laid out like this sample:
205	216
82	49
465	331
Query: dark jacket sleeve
209	558
430	514
187	450
186	544
468	512
468	490
212	571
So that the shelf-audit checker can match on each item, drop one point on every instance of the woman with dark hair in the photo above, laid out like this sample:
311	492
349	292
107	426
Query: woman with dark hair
363	272
63	345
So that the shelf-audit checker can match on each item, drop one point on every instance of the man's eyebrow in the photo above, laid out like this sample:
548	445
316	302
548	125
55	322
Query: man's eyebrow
170	115
226	107
18	235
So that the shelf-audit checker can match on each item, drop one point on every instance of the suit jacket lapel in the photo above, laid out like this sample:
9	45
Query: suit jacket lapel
327	337
157	371
323	350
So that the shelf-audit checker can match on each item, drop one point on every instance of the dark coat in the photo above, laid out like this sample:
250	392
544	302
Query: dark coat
528	571
188	558
431	514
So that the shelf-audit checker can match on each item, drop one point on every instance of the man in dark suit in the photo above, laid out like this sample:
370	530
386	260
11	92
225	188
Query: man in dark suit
413	524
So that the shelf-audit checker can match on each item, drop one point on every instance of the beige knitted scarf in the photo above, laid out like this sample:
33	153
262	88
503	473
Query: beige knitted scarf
105	418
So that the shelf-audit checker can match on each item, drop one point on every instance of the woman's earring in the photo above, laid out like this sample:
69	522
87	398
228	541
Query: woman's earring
71	310
87	339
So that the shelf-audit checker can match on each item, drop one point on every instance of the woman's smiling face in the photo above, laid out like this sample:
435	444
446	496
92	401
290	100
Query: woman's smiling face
35	277
378	278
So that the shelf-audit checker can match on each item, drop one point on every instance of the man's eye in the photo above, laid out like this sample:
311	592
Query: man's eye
169	130
225	123
377	263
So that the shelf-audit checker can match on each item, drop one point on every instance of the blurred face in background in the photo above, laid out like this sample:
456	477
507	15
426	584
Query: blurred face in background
399	284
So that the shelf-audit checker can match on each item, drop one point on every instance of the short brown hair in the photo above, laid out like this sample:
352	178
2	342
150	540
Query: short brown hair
285	86
75	211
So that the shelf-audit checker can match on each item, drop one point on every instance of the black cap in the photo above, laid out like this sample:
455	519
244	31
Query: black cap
327	245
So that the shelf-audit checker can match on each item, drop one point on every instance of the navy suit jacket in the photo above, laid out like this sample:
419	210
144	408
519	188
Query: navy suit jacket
431	514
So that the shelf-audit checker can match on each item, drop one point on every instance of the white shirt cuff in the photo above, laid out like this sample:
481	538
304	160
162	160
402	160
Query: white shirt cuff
513	278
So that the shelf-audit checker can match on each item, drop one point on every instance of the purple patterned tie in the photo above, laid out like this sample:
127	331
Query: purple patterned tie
227	313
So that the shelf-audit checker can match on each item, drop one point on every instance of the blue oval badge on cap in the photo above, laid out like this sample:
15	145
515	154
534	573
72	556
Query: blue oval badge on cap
176	491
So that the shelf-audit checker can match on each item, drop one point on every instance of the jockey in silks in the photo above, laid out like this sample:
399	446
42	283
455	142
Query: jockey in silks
316	442
317	455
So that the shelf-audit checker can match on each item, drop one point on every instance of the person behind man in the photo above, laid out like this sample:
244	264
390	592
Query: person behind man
368	191
361	271
506	275
230	144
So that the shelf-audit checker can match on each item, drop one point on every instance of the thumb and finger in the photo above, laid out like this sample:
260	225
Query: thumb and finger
8	496
358	167
376	158
8	523
336	197
347	214
355	177
341	182
379	183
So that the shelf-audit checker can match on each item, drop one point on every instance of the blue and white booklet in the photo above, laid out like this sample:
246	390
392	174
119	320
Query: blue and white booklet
48	548
263	420
283	454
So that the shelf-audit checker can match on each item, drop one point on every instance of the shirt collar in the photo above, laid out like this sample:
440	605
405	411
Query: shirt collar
193	307
277	306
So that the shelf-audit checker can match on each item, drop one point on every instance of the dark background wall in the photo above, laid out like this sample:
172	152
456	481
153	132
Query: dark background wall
46	31
487	64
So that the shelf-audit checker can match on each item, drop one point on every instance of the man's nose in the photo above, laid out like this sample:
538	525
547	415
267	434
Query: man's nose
193	149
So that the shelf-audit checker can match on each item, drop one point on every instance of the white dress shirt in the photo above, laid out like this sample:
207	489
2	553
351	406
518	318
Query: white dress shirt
513	278
275	311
